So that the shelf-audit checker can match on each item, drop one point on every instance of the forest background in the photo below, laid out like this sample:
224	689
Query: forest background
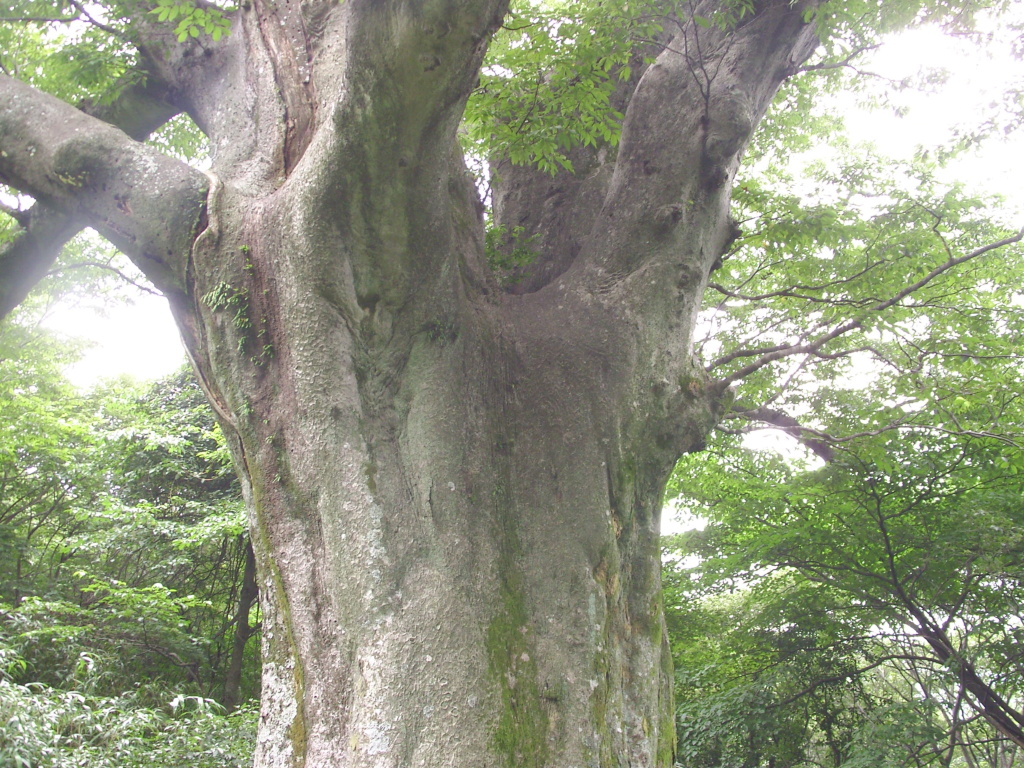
851	598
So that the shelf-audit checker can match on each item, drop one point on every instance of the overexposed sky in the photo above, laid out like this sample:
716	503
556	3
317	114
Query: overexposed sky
974	82
137	339
141	340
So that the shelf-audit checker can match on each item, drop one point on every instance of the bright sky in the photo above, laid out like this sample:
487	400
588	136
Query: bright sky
975	81
140	339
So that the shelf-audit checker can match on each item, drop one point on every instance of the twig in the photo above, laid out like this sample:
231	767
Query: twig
825	66
108	268
779	351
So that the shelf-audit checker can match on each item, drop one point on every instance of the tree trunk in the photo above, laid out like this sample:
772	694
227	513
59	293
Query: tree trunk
247	596
454	490
457	539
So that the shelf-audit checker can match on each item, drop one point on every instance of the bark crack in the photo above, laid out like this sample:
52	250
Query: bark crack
287	42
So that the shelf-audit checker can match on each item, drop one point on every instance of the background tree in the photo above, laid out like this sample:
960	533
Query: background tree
871	576
122	597
398	404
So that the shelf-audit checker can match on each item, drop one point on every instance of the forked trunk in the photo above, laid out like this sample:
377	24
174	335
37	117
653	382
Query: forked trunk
454	487
456	490
455	515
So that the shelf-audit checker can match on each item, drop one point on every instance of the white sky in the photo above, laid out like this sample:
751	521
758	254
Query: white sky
137	339
140	339
975	80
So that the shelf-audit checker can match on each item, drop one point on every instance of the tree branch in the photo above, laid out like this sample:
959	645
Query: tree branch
139	109
847	62
147	204
814	685
790	426
20	215
684	129
39	19
771	354
84	14
26	259
108	268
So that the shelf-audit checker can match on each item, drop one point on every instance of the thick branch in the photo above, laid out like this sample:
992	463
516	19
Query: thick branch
145	203
557	211
170	61
389	171
687	124
26	259
139	109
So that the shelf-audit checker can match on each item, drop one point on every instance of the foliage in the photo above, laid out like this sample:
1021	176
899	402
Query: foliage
85	62
508	251
842	574
43	727
550	81
557	72
41	479
192	20
863	588
122	526
123	545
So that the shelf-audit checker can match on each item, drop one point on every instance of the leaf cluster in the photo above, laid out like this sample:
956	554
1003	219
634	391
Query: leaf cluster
122	528
550	80
43	727
192	19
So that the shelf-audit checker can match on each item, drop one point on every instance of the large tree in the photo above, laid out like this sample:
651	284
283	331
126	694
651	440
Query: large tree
453	468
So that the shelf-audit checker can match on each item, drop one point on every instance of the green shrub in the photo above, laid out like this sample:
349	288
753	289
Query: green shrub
43	727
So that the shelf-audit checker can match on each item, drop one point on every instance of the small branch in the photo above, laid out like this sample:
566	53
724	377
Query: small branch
777	352
742	353
40	19
790	426
855	673
791	291
822	443
108	268
99	25
788	293
826	66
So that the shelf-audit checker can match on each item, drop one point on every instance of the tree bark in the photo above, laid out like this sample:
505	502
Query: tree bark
454	490
1007	720
26	258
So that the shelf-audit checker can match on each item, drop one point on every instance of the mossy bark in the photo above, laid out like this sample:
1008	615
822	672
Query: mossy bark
458	546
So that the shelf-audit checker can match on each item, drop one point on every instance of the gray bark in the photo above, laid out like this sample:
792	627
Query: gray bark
454	489
26	258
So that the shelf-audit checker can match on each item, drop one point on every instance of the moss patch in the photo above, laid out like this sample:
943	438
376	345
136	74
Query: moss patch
261	542
521	735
